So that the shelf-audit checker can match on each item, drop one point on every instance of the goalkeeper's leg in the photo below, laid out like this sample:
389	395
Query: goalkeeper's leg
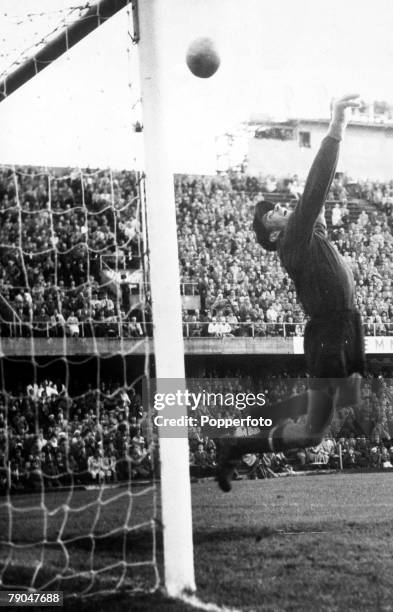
284	434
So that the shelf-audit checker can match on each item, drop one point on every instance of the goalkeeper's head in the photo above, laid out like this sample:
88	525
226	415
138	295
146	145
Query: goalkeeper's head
269	221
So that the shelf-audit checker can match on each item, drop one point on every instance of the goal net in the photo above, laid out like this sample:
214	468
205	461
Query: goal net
78	507
80	480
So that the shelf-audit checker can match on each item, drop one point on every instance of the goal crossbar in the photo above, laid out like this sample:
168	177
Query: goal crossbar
73	33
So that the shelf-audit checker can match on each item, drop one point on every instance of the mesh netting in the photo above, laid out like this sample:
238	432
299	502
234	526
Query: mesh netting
78	500
25	33
78	506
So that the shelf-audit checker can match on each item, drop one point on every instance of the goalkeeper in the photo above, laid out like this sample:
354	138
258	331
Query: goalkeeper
333	341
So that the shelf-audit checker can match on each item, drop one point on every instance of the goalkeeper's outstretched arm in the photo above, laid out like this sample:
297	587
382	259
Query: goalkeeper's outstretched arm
322	171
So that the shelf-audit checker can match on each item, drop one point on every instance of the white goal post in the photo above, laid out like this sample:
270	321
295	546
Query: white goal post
165	284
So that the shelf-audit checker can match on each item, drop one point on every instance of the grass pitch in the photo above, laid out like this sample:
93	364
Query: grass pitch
306	543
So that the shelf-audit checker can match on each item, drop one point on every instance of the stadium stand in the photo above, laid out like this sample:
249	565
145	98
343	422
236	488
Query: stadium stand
52	277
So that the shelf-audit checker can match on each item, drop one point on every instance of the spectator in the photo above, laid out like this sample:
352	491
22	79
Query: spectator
336	215
95	467
73	325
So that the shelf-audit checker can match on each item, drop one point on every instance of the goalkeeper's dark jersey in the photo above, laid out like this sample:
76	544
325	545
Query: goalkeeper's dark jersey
323	280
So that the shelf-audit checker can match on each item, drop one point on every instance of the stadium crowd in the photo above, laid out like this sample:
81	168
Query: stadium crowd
49	439
352	453
57	229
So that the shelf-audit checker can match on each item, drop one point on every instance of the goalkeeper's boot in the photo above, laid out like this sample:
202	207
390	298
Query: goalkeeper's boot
228	456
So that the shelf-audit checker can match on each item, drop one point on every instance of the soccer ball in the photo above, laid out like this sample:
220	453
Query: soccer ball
202	58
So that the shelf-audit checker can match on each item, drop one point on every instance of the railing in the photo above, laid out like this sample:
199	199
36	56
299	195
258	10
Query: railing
241	329
124	328
255	330
115	328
